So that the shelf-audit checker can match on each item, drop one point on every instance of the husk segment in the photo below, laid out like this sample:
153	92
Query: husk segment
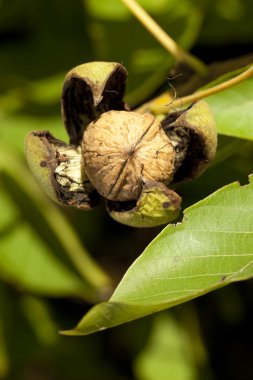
195	126
88	91
156	205
57	168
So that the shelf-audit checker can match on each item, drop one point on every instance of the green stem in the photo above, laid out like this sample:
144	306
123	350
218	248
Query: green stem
80	258
163	38
157	108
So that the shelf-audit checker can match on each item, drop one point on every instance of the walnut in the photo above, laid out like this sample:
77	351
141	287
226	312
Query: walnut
129	158
123	150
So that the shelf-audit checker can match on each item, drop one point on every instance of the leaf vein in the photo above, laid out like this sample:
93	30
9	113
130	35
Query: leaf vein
194	275
223	231
165	293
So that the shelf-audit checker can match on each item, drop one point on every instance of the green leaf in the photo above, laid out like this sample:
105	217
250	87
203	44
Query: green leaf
39	250
232	110
27	261
212	247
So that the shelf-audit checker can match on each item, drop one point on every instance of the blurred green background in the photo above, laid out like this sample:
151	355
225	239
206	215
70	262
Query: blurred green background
41	288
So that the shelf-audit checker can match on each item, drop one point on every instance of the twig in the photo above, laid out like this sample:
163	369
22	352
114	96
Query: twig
156	107
163	38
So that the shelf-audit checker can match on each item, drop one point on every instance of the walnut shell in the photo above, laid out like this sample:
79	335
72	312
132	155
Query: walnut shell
122	150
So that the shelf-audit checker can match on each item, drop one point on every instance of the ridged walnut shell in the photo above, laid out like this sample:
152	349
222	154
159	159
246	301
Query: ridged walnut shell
123	150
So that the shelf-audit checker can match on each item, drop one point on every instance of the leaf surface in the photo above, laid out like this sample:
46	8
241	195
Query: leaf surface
27	261
233	110
39	250
211	248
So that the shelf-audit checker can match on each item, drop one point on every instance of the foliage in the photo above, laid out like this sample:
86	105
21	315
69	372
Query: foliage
209	249
48	278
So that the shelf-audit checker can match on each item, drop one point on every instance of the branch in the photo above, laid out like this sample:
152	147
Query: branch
163	38
160	105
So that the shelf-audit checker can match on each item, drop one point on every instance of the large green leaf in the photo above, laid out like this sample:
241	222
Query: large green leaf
233	110
211	248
